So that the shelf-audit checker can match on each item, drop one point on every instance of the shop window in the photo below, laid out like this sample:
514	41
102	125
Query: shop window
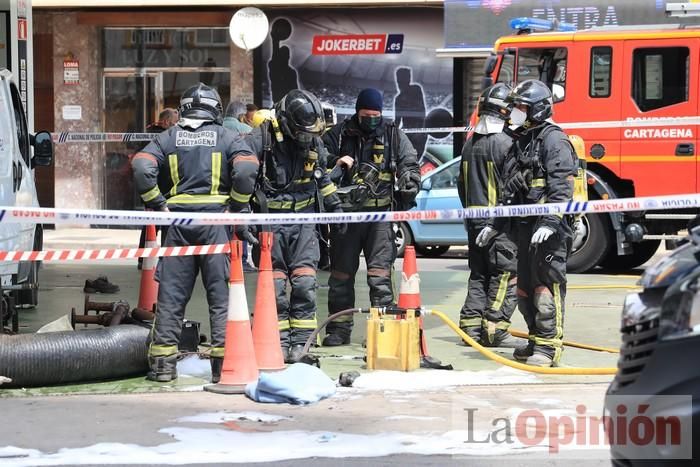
660	77
166	48
212	38
546	65
601	72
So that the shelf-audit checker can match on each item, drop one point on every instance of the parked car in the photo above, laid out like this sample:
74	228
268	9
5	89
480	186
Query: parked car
660	329
434	237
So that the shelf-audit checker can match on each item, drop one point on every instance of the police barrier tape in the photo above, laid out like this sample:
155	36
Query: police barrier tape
113	253
82	137
632	123
101	217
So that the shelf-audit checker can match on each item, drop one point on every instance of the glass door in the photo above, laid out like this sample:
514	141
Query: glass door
131	103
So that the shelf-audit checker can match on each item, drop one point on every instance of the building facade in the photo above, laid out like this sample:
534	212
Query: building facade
112	70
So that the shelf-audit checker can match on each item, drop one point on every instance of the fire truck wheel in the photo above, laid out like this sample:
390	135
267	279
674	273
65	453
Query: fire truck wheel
641	253
591	245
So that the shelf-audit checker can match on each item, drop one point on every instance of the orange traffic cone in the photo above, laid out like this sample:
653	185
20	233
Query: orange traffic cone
409	293
266	335
240	367
148	293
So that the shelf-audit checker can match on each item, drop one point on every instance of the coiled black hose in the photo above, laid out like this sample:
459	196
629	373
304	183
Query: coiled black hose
73	356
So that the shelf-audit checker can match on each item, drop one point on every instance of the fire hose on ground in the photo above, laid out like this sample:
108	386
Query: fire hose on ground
483	350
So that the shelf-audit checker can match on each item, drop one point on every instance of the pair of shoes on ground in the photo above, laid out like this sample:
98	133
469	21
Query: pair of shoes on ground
100	285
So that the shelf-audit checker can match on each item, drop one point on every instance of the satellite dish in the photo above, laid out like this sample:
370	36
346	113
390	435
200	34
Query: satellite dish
248	28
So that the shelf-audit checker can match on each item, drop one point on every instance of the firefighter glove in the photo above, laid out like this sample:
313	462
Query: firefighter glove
243	233
541	235
485	236
518	182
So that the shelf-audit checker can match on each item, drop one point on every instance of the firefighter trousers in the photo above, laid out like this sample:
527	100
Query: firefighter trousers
295	254
491	297
376	240
542	286
176	276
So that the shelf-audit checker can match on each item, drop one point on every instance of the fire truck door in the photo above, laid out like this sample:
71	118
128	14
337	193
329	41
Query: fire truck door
661	83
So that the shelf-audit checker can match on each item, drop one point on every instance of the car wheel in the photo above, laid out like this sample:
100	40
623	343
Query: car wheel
641	253
432	251
402	237
592	241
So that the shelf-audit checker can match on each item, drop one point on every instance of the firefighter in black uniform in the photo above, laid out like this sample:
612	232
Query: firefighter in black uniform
372	157
195	166
491	298
543	169
293	178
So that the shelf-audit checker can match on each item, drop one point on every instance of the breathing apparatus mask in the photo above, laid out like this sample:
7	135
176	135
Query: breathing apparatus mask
369	123
366	183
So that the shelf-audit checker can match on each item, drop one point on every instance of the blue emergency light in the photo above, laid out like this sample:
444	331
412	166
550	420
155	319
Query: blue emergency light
538	24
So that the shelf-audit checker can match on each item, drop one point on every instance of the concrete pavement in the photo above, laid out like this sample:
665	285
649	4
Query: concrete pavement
395	416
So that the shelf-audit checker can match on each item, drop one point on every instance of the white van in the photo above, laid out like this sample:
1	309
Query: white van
18	281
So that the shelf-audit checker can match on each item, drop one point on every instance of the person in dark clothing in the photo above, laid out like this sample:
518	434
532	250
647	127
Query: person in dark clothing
490	300
293	178
372	156
166	119
543	170
195	166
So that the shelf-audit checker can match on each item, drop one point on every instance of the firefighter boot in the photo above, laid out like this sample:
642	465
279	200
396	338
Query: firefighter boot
540	359
493	337
216	364
163	368
295	353
474	332
524	352
336	338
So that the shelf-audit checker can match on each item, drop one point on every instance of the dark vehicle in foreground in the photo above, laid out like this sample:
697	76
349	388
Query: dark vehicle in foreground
660	343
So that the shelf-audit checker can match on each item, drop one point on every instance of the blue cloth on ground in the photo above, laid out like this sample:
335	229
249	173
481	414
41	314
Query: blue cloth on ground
298	384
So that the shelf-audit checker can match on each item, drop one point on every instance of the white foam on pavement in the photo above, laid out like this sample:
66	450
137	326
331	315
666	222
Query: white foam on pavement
194	366
552	402
411	417
438	379
218	417
218	446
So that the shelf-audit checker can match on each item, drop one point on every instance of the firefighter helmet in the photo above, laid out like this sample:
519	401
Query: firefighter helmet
538	99
201	102
300	116
493	101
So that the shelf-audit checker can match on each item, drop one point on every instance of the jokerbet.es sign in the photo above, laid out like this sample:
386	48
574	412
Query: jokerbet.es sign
357	44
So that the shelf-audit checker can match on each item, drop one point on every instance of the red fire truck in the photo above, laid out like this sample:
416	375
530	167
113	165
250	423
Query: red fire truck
632	94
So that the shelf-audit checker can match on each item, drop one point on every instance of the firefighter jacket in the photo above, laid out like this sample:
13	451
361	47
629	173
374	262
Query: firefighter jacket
386	152
481	175
548	154
202	169
292	178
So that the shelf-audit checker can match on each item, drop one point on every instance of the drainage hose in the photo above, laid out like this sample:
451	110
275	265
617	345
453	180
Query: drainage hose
73	356
312	337
520	366
578	345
